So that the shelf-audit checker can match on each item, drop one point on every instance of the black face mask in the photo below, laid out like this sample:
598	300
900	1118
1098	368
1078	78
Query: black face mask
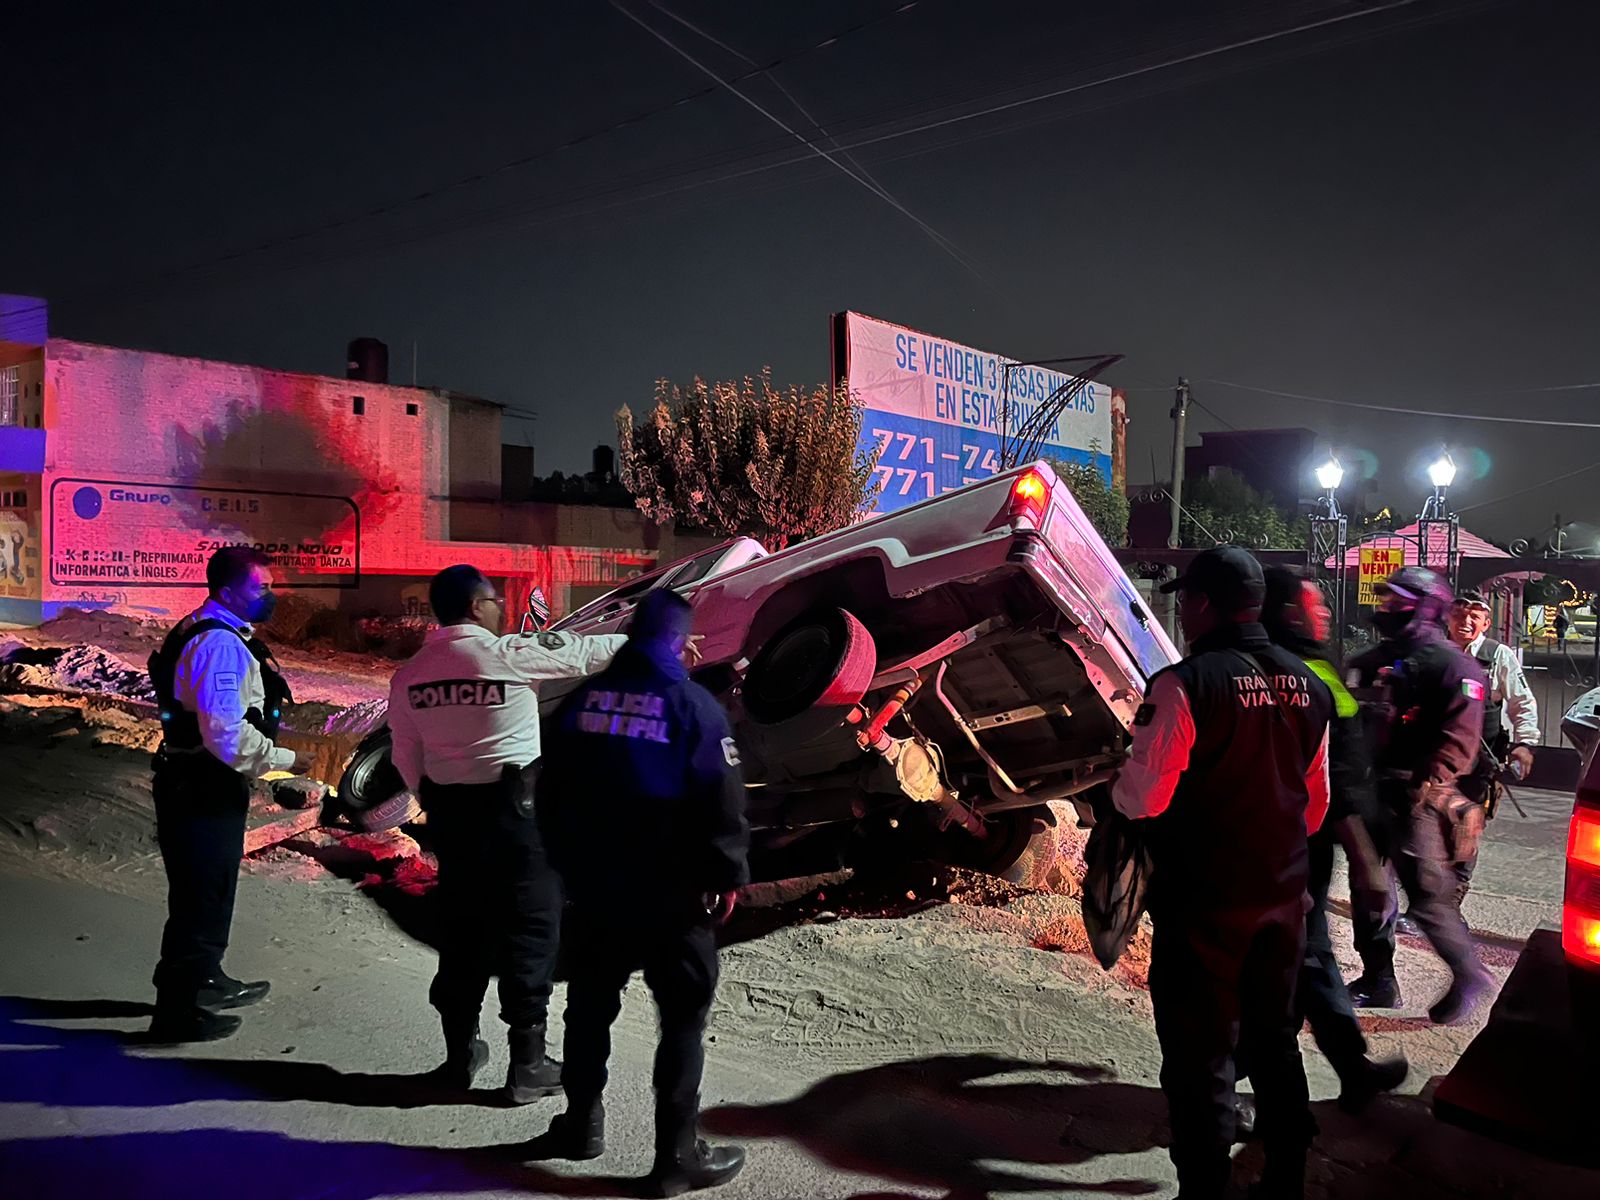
261	611
1391	624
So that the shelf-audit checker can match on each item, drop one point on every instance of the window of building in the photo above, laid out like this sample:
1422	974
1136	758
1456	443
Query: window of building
411	408
9	393
358	405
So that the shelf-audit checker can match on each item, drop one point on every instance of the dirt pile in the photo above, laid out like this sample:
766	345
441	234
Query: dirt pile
75	668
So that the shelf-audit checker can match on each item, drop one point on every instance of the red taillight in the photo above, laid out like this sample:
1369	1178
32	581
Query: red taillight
1580	937
1030	496
1580	912
1583	839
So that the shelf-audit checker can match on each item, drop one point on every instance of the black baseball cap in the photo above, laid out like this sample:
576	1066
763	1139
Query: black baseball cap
1473	598
1228	576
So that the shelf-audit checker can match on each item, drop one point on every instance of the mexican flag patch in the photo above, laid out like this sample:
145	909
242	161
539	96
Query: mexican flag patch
1472	689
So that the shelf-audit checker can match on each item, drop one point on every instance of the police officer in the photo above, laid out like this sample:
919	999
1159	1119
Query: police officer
1423	709
1510	714
464	713
643	807
1229	758
221	702
1296	617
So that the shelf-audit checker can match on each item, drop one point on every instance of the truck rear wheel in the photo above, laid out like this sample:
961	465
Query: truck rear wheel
1020	847
371	791
826	658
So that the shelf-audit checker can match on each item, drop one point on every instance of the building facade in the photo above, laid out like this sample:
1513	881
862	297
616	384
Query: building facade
122	470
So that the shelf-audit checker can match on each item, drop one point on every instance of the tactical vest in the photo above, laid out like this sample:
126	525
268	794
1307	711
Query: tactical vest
1494	732
1234	836
180	728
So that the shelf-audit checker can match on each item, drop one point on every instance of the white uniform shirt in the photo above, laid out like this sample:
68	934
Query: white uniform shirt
219	680
465	706
1508	686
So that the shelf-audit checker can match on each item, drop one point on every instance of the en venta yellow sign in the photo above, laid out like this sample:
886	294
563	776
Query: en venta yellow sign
1377	564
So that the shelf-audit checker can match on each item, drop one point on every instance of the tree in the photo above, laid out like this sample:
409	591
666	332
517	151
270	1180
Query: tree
748	460
1104	505
1222	506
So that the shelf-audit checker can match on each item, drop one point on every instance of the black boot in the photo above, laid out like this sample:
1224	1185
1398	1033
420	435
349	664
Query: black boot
579	1134
684	1163
533	1074
1368	1080
464	1053
224	991
1284	1177
1462	998
182	1020
1375	991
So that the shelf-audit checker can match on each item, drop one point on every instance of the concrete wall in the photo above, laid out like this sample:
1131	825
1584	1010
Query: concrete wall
152	460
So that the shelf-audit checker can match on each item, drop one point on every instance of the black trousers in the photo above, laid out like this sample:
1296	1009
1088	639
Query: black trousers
679	958
1223	984
1423	869
499	901
1321	996
200	820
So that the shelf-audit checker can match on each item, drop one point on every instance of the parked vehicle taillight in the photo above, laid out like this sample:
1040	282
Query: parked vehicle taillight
1580	911
1030	496
1583	839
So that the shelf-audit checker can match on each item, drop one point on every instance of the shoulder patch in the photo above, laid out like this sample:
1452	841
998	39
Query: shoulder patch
1472	689
226	681
551	641
1145	714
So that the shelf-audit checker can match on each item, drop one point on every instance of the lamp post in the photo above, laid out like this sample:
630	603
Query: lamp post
1438	528
1329	540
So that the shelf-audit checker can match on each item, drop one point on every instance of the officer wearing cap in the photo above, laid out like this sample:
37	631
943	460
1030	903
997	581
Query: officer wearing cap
1422	703
221	700
642	762
1229	760
464	714
1510	714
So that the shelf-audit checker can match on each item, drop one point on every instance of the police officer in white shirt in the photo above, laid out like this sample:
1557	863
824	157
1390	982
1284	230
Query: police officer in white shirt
1510	712
221	700
464	713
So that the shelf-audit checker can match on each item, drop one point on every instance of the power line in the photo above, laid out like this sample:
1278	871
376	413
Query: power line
1411	412
854	173
1461	508
579	196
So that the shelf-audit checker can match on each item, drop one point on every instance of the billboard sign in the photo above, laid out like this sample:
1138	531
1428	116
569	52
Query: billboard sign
124	534
935	409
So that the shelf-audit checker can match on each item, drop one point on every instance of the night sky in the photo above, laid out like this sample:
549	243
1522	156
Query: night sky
1398	210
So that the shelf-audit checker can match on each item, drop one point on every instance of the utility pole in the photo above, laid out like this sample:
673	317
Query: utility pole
1180	422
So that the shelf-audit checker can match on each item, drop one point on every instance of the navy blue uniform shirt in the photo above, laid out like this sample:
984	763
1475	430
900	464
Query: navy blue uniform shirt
640	791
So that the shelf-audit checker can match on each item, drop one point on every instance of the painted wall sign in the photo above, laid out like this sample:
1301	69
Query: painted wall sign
113	533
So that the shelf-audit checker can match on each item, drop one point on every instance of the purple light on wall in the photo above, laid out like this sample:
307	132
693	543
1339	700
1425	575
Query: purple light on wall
24	319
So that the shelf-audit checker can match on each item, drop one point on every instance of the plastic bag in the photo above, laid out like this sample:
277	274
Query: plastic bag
1116	884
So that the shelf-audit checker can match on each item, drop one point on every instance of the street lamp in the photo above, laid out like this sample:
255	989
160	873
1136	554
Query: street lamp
1438	528
1329	476
1329	539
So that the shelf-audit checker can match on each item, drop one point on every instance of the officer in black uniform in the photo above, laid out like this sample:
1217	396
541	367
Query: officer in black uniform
1229	756
642	805
1296	617
1423	709
221	700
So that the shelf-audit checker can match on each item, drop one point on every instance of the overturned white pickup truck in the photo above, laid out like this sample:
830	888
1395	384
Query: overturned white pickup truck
920	684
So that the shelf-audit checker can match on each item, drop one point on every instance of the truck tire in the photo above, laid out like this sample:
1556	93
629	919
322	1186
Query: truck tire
1020	848
370	779
825	659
